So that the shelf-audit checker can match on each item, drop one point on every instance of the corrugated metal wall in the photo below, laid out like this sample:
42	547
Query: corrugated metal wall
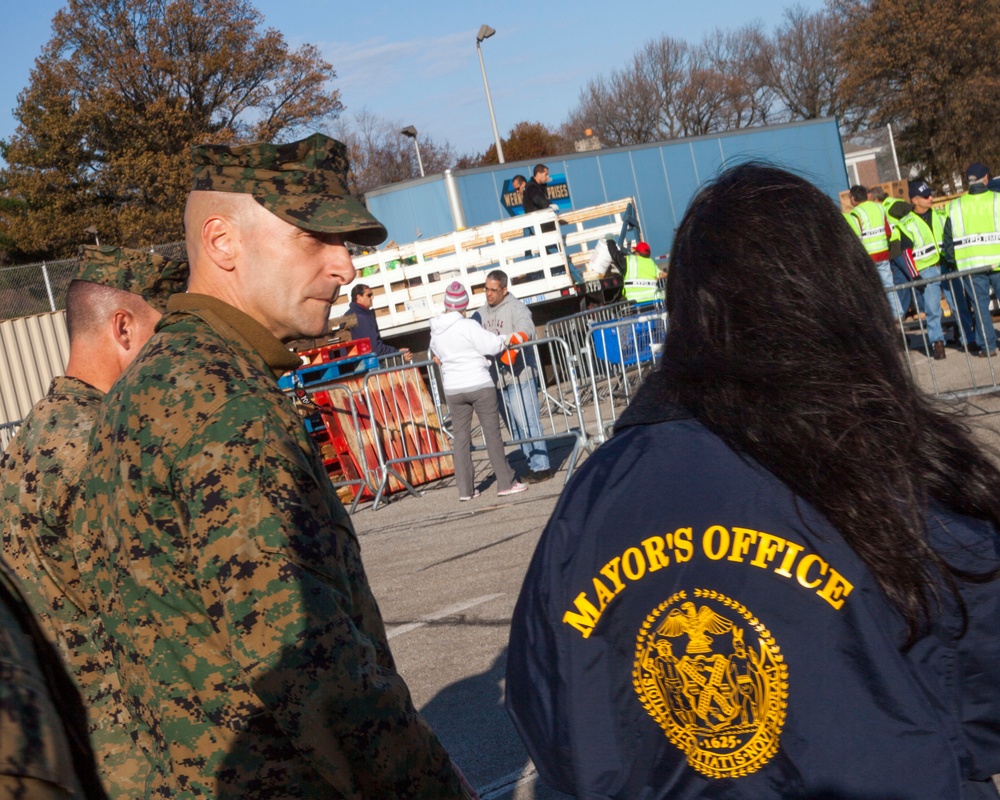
663	177
33	350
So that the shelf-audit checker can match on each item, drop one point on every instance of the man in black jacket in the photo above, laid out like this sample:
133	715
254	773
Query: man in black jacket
535	197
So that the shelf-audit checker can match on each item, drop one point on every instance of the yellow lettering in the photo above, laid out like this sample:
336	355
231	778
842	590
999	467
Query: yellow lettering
792	552
586	619
742	539
768	546
706	542
654	552
836	590
610	570
683	545
604	594
633	564
802	570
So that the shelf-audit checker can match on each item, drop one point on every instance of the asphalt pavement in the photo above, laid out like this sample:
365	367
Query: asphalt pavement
446	574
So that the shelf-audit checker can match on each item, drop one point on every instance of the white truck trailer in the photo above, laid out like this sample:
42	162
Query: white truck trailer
541	253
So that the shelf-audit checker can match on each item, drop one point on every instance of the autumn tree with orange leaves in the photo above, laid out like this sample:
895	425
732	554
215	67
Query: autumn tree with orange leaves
527	141
930	70
117	97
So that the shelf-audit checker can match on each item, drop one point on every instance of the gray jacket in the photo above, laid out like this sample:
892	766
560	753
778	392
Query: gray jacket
509	316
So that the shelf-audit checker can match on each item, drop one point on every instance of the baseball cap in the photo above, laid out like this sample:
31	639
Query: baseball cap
455	297
643	249
151	276
919	189
976	171
304	183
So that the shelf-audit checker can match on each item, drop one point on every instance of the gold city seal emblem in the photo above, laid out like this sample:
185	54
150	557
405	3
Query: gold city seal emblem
710	673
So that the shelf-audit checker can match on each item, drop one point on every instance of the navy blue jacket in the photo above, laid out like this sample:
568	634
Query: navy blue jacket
367	328
689	628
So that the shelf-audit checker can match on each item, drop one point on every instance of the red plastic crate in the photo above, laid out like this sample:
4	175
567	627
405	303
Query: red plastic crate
334	352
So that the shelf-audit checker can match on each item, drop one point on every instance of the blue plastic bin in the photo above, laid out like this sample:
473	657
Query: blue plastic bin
628	344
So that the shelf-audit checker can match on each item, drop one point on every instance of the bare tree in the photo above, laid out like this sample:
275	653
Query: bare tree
664	63
701	98
672	89
739	58
804	67
622	109
381	155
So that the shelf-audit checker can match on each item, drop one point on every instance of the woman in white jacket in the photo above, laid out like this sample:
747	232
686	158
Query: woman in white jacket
461	345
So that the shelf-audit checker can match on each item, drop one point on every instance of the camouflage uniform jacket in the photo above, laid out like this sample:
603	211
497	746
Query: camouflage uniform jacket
41	471
42	757
245	631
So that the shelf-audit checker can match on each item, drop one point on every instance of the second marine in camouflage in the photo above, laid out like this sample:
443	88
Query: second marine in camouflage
114	300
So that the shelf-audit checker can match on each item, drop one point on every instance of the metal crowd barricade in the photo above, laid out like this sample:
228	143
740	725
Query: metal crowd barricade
368	478
559	412
7	433
620	355
391	360
575	331
961	373
407	428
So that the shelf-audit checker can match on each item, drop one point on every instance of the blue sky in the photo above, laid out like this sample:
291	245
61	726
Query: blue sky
416	63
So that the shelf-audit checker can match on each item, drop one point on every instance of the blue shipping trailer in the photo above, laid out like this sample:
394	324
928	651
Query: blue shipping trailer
663	177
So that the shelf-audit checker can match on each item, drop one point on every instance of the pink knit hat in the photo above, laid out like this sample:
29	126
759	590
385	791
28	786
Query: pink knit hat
456	298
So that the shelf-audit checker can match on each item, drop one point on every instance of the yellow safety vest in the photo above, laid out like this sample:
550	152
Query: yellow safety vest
975	228
853	222
926	239
641	279
871	220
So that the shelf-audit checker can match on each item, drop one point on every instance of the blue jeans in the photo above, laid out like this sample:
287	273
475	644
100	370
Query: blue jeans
884	269
519	409
957	290
900	275
986	336
932	304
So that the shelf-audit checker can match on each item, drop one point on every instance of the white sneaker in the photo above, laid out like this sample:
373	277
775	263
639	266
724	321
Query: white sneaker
515	488
475	494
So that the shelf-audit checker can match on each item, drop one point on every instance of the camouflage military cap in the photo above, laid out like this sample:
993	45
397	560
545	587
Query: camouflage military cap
303	183
151	276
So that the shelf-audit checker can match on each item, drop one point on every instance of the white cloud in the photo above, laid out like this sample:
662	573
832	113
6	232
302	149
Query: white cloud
377	66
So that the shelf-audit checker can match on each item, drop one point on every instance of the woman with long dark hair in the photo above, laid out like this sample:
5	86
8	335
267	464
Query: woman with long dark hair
804	601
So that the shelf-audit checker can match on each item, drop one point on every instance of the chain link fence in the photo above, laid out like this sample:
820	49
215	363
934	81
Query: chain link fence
30	289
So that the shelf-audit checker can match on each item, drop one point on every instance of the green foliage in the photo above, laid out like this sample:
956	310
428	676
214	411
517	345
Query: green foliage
118	96
930	70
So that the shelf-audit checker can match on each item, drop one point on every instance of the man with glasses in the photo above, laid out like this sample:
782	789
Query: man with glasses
367	327
514	374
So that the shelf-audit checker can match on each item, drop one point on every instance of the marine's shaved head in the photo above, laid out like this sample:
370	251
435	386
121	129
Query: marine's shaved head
238	208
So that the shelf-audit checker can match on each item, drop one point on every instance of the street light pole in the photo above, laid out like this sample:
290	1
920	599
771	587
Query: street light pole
410	131
485	32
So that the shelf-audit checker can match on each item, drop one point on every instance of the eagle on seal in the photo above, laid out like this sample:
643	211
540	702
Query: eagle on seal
696	624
